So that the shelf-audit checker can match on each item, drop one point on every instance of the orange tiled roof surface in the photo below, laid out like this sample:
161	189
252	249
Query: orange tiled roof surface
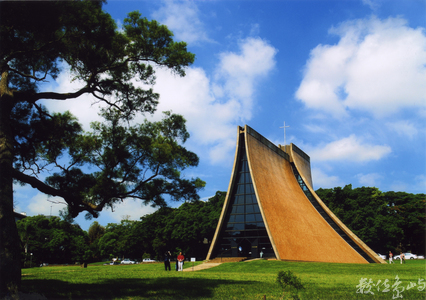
298	231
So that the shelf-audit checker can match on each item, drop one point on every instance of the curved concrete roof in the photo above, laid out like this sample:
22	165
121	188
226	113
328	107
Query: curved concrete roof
297	230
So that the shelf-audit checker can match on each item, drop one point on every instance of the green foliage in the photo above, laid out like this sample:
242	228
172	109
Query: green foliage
108	243
410	211
146	255
168	229
117	160
51	240
287	279
142	161
96	231
184	229
383	220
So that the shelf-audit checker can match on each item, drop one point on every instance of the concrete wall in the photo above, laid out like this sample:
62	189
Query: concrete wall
297	230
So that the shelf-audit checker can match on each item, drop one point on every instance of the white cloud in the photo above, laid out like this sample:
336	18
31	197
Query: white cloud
132	208
182	18
373	4
322	180
85	107
403	128
21	195
414	184
255	29
314	128
378	66
370	180
213	107
350	148
398	186
241	71
420	183
42	204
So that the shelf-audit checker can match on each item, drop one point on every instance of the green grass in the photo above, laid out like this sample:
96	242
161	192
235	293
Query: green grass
245	280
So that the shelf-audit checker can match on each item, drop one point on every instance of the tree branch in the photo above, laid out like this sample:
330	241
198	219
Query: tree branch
37	184
33	97
106	101
76	204
144	181
29	75
41	111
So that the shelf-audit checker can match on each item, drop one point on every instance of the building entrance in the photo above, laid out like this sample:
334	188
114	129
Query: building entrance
244	249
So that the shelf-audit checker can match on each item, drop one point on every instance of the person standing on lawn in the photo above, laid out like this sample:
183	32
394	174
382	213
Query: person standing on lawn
402	257
167	260
180	259
390	257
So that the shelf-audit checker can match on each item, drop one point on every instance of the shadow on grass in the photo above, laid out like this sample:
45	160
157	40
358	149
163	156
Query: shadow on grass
158	288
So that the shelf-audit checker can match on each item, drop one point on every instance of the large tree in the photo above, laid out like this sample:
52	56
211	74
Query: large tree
118	159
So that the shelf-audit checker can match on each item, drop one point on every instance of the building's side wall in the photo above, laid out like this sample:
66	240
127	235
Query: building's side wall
297	230
302	164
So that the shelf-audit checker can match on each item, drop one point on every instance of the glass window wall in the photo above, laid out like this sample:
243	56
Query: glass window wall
244	232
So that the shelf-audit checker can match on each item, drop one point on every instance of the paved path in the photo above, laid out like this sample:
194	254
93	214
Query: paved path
202	266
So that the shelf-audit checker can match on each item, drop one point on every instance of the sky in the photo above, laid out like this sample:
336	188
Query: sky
348	78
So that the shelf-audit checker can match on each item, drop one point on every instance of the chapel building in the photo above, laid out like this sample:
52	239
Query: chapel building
272	211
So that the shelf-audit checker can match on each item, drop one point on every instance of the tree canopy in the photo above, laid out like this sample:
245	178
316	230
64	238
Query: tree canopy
385	221
188	228
51	240
118	159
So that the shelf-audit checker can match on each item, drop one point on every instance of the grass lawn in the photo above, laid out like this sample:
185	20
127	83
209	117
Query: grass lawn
244	280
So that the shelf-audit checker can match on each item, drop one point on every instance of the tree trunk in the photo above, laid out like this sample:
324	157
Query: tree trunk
10	262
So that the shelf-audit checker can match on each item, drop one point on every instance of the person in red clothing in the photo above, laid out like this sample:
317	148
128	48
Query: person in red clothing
180	259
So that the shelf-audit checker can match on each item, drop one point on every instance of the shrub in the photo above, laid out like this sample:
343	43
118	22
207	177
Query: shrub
287	279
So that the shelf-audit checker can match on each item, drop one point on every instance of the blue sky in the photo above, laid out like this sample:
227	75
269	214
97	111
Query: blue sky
348	77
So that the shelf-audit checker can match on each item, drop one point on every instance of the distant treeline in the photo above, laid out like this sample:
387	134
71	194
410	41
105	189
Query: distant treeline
188	228
385	221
